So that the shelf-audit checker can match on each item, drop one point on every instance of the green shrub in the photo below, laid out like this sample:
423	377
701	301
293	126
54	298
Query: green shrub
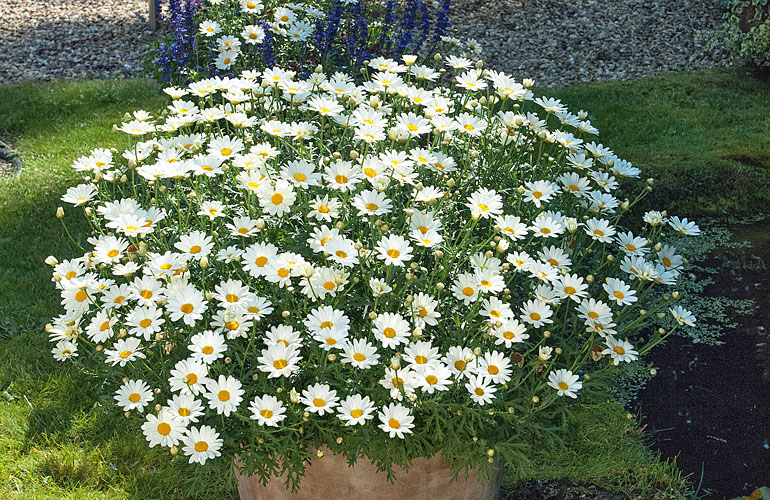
746	31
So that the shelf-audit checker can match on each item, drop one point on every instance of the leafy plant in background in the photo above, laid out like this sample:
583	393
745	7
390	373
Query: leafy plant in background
746	31
208	38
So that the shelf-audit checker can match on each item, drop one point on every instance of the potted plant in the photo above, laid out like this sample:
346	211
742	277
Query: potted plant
427	265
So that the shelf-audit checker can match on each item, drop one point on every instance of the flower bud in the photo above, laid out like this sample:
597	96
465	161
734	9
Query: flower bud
51	261
204	262
285	314
59	213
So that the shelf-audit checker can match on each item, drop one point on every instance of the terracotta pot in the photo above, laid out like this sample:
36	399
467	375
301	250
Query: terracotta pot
330	478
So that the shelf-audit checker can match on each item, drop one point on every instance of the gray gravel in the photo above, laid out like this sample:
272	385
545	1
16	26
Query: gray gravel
559	42
556	42
49	39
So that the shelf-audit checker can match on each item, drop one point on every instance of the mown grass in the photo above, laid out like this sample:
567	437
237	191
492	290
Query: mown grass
687	129
703	135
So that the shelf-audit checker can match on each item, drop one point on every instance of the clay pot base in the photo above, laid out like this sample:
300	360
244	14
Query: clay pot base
331	478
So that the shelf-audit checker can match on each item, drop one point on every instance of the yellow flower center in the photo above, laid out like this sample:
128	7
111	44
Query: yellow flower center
195	249
483	207
232	325
226	152
569	290
80	296
207	350
187	308
134	397
280	364
224	395
431	379
126	354
479	391
393	423
164	429
493	370
183	412
319	402
563	386
359	357
619	350
112	253
389	332
372	206
460	365
393	253
422	312
468	291
508	335
535	316
341	179
277	199
323	209
104	326
201	446
330	285
356	413
145	322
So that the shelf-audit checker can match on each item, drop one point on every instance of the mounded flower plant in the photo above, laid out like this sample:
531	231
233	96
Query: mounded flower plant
426	262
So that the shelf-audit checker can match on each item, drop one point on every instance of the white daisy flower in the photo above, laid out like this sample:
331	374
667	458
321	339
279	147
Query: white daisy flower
134	395
201	444
565	382
267	410
396	420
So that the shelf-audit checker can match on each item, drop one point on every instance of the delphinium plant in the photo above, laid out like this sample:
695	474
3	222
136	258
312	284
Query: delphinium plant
209	38
423	263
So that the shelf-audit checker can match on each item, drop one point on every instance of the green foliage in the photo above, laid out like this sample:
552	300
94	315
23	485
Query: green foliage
699	287
604	446
746	31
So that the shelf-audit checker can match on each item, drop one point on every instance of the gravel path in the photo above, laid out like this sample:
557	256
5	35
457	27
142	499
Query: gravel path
556	42
559	42
48	39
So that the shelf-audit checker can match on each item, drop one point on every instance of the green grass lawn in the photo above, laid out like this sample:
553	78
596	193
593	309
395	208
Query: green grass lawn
705	135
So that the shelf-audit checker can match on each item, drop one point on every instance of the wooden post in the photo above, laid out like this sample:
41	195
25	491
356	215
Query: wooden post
153	21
